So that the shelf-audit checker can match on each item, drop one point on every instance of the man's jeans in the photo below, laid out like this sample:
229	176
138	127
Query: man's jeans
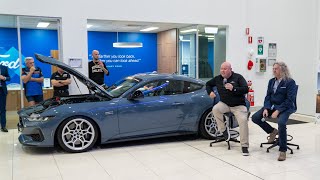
282	126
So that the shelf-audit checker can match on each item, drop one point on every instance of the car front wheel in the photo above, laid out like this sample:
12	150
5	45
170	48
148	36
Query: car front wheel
77	134
208	126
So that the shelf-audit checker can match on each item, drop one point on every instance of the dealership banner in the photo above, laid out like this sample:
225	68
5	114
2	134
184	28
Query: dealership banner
11	60
123	62
32	41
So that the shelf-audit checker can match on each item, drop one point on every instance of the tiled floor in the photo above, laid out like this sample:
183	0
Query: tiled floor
166	158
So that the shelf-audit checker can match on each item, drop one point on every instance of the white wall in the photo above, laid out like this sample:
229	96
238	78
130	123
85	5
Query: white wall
293	26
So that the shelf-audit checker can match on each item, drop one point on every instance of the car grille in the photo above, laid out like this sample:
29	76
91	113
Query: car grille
36	137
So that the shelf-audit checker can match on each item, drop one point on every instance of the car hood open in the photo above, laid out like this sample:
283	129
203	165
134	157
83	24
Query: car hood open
92	86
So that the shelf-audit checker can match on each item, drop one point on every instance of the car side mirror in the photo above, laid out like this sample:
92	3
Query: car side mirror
136	95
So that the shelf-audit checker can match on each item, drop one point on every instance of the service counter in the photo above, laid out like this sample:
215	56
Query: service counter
14	98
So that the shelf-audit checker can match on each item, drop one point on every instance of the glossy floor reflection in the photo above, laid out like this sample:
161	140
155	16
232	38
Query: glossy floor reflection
165	158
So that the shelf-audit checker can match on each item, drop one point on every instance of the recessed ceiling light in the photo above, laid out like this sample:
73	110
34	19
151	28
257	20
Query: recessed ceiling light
211	30
43	24
127	45
89	26
189	30
149	29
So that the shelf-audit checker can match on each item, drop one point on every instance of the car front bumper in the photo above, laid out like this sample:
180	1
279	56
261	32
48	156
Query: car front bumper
34	134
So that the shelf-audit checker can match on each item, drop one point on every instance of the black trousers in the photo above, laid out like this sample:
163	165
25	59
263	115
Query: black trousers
3	101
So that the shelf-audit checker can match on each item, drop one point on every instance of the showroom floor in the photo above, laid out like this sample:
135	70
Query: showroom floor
165	158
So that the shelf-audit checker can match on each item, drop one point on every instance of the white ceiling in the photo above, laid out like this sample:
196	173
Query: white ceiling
131	26
10	21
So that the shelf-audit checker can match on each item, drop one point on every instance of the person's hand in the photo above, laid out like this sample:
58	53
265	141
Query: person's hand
101	64
228	86
212	95
265	113
32	69
275	114
2	77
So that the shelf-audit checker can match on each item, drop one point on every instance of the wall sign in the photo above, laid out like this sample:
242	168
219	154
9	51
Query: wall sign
260	49
75	62
260	40
123	62
272	50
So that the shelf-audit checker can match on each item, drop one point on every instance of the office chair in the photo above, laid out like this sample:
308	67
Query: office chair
230	122
276	141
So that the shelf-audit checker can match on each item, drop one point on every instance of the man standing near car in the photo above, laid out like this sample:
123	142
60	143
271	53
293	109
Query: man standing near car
32	82
60	81
97	69
4	76
232	88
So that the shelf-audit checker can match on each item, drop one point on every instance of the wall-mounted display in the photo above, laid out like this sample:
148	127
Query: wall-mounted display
75	62
272	50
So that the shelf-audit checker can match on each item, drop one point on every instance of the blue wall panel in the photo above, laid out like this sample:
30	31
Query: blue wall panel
123	62
32	41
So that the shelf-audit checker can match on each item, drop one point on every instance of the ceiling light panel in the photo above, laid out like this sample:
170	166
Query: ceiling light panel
188	30
211	30
43	24
149	29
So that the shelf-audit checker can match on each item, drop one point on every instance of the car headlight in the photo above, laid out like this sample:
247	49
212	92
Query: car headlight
37	117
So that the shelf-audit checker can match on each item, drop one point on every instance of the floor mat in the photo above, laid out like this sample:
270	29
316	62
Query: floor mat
290	121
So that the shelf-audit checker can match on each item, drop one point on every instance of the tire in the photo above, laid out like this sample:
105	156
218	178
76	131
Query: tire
77	134
208	125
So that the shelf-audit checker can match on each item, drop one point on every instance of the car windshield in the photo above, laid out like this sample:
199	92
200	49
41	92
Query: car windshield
122	86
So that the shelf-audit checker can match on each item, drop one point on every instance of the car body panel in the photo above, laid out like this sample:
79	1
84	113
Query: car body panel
117	118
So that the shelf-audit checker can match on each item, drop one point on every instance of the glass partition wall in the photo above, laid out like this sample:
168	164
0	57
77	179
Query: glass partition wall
20	37
188	45
201	47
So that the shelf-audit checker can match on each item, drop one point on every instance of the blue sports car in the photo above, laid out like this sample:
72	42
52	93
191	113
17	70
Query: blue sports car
136	107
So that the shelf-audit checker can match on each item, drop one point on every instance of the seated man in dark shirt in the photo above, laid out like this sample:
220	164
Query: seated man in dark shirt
60	81
232	88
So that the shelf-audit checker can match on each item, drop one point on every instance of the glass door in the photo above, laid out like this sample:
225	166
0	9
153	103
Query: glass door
188	53
37	35
20	37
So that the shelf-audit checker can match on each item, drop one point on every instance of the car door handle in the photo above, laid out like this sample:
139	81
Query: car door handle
108	113
177	104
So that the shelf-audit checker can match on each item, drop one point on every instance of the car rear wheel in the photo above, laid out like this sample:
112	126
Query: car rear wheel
208	126
77	134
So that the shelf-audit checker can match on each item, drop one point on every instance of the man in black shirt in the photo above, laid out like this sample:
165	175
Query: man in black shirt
97	69
60	81
232	88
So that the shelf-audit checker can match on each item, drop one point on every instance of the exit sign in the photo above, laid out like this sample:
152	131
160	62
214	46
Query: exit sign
260	49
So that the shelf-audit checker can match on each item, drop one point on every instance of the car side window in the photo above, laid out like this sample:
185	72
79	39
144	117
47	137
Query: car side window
190	87
174	87
169	87
150	88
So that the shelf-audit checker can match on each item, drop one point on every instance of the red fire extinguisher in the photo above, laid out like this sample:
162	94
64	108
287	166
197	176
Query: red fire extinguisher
251	97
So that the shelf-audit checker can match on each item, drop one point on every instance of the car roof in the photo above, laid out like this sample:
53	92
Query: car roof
155	76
